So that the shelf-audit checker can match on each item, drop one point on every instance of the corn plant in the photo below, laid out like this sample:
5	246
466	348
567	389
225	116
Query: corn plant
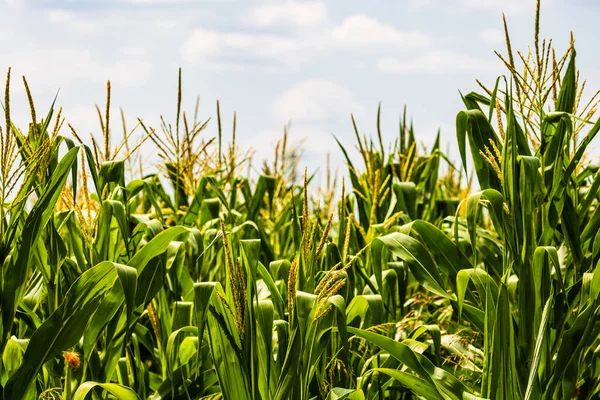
192	279
520	269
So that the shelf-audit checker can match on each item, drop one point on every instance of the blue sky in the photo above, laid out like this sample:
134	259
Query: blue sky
311	63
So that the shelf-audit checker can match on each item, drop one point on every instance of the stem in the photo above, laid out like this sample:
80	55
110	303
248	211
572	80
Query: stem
67	391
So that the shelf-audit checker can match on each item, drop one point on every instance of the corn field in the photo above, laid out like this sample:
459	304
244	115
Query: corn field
407	277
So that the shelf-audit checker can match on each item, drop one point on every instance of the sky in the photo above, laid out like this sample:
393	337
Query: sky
309	64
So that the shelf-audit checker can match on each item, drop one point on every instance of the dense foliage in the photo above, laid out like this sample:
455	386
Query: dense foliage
197	281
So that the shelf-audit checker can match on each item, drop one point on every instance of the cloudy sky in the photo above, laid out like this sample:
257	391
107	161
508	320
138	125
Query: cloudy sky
311	63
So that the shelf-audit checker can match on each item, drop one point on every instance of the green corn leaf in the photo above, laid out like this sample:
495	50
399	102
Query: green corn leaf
120	392
65	326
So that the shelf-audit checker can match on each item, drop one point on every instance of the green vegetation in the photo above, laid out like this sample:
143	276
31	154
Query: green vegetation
197	282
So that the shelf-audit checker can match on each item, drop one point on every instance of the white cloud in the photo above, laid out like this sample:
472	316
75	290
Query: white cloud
420	3
129	72
60	16
132	51
6	36
287	13
437	62
17	4
156	2
514	7
72	21
204	45
492	36
357	33
167	25
224	66
63	66
315	100
361	31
